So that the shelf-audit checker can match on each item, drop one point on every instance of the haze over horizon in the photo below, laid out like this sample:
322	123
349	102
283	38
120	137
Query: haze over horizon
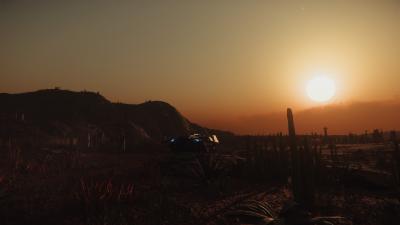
228	65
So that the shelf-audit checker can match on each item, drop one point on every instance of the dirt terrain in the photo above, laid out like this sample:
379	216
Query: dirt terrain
64	187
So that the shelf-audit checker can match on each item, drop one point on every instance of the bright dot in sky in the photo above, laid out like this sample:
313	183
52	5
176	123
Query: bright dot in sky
321	89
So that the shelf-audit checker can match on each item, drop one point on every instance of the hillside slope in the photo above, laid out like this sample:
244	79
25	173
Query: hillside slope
88	119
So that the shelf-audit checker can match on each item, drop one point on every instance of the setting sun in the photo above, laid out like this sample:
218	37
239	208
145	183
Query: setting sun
321	89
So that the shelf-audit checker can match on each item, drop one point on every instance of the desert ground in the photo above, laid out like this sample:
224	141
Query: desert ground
69	186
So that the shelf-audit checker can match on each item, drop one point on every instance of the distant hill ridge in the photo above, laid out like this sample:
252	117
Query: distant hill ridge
64	113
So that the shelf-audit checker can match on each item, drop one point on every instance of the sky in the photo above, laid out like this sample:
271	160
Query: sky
217	62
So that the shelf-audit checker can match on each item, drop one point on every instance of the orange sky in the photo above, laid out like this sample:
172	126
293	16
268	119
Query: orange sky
217	62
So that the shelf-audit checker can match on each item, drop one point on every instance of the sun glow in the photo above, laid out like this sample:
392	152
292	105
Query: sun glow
321	89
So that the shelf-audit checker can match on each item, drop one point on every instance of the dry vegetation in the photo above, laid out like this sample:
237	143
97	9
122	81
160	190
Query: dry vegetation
337	180
73	187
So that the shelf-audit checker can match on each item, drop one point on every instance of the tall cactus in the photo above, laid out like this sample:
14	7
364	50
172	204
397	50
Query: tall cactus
296	169
302	167
325	140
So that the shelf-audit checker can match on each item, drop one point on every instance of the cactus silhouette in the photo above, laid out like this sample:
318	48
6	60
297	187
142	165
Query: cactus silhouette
302	167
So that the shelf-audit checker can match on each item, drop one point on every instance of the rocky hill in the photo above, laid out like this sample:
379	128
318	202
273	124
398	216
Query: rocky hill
87	119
